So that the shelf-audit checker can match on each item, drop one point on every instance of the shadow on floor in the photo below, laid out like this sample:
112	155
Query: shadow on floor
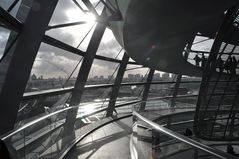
93	146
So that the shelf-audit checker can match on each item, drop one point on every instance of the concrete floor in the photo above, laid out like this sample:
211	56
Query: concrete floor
109	142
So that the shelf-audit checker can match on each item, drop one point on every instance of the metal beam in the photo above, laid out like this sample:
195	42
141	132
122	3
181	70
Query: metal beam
61	45
10	21
87	63
82	77
66	25
176	88
59	91
115	89
57	43
201	106
91	8
179	76
146	89
15	69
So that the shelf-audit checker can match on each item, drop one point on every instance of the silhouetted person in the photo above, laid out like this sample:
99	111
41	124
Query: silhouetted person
220	64
204	61
197	60
231	151
188	132
233	66
155	140
228	64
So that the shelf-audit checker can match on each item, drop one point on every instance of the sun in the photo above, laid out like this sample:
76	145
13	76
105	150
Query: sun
75	15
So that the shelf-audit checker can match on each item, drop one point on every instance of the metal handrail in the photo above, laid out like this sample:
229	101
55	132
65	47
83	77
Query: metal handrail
84	115
4	137
185	139
58	91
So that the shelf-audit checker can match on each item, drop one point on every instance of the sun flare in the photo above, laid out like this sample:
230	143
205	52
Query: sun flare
75	15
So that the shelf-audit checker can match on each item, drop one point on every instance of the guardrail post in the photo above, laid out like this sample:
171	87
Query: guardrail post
175	92
146	89
115	89
16	67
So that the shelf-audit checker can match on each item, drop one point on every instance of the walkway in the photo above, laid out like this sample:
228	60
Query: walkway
111	141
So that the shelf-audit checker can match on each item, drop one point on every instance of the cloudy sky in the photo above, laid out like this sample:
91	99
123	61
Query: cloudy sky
53	62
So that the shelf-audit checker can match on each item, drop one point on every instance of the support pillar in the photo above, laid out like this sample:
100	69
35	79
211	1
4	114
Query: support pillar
16	67
81	80
179	76
176	88
146	89
115	89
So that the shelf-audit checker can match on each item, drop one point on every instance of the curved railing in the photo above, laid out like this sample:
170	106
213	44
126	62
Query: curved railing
150	139
44	137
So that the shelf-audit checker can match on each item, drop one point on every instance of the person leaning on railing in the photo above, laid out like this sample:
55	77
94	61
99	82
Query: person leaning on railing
197	60
188	132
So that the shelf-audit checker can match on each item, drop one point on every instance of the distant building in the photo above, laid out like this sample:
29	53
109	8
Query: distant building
157	76
33	77
95	78
165	76
130	76
137	77
101	78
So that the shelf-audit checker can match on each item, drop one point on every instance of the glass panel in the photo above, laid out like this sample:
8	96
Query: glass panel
50	136
6	4
136	73
161	90
128	93
30	110
98	6
102	72
66	12
4	35
97	96
75	35
40	139
202	43
53	68
109	47
192	84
